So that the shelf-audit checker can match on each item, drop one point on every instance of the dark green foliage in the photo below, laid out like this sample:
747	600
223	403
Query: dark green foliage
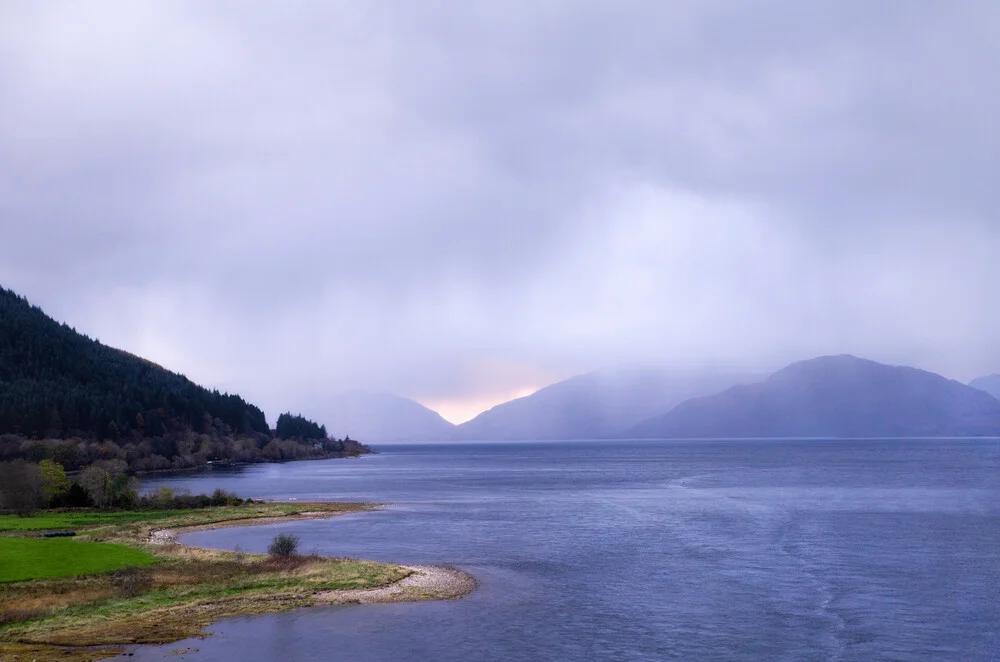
283	544
76	498
57	383
123	491
298	427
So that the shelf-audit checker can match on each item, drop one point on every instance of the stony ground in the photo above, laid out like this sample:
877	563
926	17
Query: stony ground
427	582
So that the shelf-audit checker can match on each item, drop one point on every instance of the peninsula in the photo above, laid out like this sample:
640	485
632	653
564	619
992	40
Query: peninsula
123	579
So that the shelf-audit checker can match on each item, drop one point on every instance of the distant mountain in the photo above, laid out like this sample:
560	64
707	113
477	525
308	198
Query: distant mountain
596	405
834	396
376	417
990	384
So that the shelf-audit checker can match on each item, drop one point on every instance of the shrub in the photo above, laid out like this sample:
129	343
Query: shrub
164	498
123	491
221	497
132	581
283	545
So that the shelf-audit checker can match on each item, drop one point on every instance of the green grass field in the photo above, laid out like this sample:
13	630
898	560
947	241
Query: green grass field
32	558
70	521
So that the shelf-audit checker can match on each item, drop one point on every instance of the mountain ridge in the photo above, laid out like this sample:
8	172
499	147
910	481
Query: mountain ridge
989	384
385	417
838	396
594	405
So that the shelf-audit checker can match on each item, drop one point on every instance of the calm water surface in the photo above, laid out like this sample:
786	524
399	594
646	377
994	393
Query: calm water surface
762	550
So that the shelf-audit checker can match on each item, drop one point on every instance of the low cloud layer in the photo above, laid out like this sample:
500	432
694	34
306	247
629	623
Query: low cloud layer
456	201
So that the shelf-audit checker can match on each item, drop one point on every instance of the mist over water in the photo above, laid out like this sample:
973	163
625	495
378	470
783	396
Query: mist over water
778	550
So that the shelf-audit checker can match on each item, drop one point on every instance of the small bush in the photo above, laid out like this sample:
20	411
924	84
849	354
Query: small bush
283	545
132	581
164	498
221	497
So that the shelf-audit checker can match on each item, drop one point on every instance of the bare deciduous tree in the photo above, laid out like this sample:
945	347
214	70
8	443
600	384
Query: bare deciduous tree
96	482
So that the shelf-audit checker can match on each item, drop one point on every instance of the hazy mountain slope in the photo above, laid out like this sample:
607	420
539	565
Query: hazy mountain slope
835	396
594	405
374	417
990	384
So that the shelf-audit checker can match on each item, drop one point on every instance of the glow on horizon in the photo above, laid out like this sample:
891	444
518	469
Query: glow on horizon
460	410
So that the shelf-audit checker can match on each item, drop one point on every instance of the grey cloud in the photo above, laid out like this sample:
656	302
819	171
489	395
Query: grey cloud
288	200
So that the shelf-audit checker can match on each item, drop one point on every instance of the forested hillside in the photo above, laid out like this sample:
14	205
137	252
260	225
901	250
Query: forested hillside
90	402
55	382
298	427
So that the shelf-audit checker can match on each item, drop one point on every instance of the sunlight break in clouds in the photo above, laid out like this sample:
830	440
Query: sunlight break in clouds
460	410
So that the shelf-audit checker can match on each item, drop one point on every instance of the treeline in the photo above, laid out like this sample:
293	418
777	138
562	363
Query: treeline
182	450
297	427
26	487
57	383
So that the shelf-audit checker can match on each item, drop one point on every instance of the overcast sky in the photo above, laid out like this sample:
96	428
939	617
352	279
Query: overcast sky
461	201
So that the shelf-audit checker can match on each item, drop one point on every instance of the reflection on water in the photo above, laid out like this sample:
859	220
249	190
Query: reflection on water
643	551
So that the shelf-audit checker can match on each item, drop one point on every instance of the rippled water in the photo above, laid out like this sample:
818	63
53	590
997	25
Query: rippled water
762	550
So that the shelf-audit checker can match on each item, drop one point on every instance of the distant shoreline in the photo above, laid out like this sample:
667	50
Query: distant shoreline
211	466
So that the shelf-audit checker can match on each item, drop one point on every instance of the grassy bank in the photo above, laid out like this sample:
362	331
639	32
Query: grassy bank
74	520
23	558
167	592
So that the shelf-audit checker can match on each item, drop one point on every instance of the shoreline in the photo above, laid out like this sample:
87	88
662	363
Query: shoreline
192	587
422	583
168	536
425	582
212	466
